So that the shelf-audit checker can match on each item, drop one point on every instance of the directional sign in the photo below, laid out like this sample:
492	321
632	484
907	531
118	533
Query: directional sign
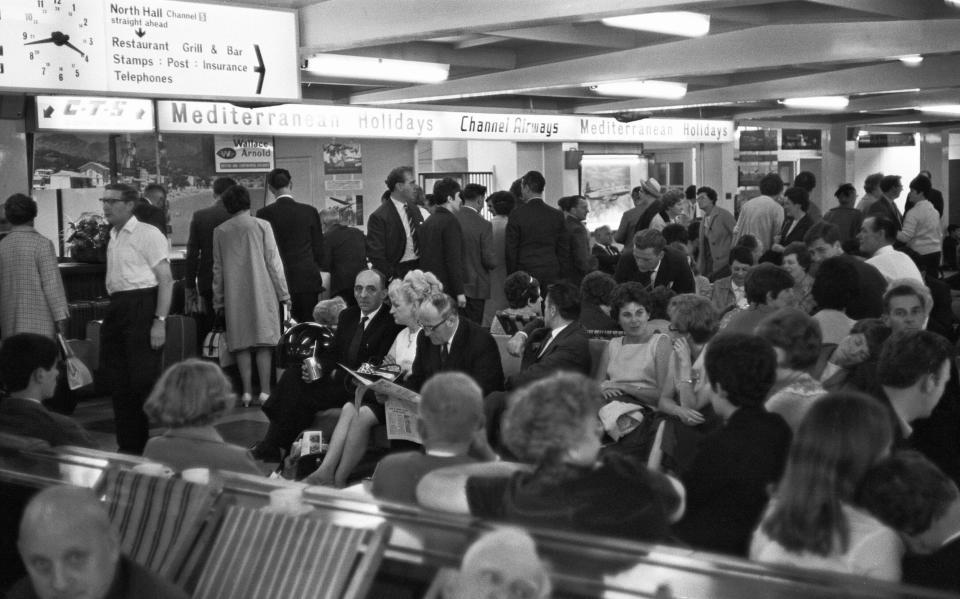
75	113
154	48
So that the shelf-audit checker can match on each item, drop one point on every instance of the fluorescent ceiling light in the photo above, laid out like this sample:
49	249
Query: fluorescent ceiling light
688	24
911	60
642	89
942	108
379	69
816	102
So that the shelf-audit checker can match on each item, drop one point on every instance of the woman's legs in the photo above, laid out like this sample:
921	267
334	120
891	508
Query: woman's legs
246	372
325	473
264	360
356	445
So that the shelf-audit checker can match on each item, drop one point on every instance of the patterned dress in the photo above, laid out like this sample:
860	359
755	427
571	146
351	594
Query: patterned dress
32	298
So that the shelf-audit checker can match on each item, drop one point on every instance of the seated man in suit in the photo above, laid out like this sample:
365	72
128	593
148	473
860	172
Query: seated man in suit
547	346
28	371
364	332
450	343
654	264
606	253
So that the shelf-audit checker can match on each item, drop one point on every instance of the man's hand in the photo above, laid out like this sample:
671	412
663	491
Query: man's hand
305	373
158	334
516	343
462	301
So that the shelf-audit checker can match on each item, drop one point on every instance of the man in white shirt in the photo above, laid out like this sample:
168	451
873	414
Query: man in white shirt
392	229
921	227
762	216
876	236
140	285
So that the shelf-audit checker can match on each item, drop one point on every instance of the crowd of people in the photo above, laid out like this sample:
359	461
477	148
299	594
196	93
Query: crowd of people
778	386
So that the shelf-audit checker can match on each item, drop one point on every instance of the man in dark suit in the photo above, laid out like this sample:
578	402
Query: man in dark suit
392	229
579	261
441	239
604	251
363	332
653	264
478	255
536	238
823	241
344	254
890	188
151	207
450	343
300	240
198	279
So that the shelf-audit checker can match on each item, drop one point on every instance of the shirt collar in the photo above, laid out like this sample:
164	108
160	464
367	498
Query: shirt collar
439	453
453	335
884	249
373	314
130	226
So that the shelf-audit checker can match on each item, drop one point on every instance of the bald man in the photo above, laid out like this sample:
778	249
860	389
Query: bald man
70	550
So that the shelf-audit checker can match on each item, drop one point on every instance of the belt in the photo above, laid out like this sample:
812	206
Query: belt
134	292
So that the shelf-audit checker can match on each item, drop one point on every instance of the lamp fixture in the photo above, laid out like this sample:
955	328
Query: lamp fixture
942	108
911	60
649	88
680	22
828	102
378	69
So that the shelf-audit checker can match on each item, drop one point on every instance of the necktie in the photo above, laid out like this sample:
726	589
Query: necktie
444	354
412	221
355	344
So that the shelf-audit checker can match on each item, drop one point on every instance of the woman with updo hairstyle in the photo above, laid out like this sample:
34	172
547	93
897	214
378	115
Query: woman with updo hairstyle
811	521
349	440
796	261
523	300
187	399
501	204
248	287
633	367
796	339
693	322
595	291
674	208
552	426
32	298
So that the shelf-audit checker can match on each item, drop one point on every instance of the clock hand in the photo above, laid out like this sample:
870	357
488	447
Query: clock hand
43	41
72	47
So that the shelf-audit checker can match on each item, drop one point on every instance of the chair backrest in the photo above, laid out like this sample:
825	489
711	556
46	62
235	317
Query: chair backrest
158	519
259	554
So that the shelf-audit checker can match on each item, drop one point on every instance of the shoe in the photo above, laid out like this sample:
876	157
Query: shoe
246	399
266	453
263	398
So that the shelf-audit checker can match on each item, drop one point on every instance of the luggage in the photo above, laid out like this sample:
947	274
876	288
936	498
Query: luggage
181	340
215	348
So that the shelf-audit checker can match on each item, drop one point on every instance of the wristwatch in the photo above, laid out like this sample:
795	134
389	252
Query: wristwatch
159	318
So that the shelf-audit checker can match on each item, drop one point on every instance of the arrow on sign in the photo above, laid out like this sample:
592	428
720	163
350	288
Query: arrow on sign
262	70
48	112
140	32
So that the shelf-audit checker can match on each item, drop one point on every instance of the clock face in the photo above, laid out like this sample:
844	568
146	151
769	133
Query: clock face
51	44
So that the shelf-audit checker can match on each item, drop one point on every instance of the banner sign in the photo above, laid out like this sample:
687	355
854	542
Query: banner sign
243	154
313	120
75	113
152	48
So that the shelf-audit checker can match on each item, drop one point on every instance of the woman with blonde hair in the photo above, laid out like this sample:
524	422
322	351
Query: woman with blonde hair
352	433
188	398
811	521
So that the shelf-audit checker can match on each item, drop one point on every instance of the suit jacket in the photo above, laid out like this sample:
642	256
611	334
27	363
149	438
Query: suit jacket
472	351
148	213
536	241
441	249
674	272
200	246
199	447
607	257
478	254
30	419
803	225
344	255
628	225
722	295
299	236
377	338
727	481
884	207
717	236
569	351
579	260
386	238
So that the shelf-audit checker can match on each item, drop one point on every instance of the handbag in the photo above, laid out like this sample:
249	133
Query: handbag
215	348
78	375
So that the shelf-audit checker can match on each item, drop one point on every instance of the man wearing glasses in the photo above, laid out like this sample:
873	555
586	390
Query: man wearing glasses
134	329
448	342
364	332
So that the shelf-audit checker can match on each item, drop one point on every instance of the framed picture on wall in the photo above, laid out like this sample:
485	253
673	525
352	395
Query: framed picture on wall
342	159
758	140
801	139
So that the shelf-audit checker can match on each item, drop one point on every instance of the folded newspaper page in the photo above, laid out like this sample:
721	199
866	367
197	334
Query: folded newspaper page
402	408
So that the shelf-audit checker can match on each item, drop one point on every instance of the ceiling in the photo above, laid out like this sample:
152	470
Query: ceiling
536	55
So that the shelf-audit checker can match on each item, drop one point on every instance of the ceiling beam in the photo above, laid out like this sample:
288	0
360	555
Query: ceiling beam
474	40
782	45
933	72
903	101
581	34
342	24
914	9
481	57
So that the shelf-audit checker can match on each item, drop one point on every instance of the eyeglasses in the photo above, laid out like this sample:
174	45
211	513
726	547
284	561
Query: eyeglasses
430	328
110	200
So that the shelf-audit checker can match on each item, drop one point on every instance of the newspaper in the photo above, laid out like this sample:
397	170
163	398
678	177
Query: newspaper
402	406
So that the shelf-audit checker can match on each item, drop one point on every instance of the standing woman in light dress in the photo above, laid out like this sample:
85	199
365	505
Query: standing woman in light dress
32	299
248	288
349	440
